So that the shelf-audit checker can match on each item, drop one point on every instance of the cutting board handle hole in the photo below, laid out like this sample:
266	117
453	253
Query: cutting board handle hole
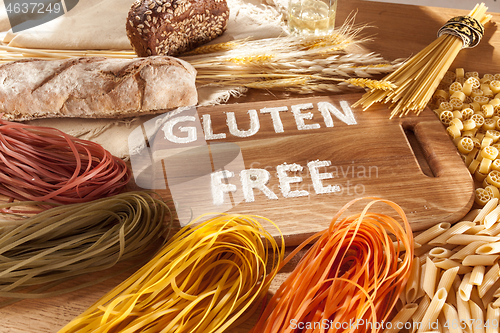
416	147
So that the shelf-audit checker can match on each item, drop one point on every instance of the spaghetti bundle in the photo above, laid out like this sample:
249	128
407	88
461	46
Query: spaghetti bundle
419	77
44	250
45	164
206	279
353	275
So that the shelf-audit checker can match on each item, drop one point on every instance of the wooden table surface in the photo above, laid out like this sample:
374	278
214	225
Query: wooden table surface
398	31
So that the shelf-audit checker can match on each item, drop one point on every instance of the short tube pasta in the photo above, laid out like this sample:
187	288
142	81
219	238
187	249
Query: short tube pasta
431	233
418	315
468	239
489	279
479	259
489	207
413	283
492	318
458	228
440	252
463	309
433	310
465	288
447	279
469	249
430	276
451	317
490	248
402	317
477	275
478	315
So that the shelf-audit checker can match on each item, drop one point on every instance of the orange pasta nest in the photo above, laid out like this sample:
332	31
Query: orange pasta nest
349	280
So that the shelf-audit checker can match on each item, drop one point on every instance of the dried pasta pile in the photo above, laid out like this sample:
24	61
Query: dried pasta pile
455	285
457	280
206	279
44	250
45	164
354	273
470	108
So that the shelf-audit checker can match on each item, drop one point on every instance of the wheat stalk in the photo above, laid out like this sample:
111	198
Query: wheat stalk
302	64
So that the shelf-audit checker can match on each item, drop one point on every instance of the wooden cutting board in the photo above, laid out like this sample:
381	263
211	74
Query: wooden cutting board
300	160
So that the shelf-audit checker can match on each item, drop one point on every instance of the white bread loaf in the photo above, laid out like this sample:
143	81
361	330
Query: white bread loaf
95	87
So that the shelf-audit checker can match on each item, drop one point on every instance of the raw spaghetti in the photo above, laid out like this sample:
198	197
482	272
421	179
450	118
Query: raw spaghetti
206	279
354	273
42	251
45	164
419	77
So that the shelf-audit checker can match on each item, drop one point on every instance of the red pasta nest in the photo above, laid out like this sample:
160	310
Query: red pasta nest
45	164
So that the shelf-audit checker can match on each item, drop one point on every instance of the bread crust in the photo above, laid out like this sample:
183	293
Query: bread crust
172	27
94	87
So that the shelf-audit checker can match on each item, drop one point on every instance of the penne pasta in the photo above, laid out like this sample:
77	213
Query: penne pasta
492	217
448	263
477	275
478	228
472	214
492	319
467	239
451	317
465	288
431	233
490	248
489	279
442	327
452	294
476	313
440	252
447	278
474	297
430	278
413	283
492	231
458	228
432	312
401	318
402	299
421	291
463	310
422	307
489	296
423	251
467	250
480	259
489	207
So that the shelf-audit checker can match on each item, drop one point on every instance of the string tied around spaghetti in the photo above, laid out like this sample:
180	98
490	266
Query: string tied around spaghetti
467	28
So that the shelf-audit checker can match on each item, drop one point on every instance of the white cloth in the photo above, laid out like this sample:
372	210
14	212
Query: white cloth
100	24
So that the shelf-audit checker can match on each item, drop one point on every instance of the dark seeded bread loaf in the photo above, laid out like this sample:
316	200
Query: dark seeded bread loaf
95	87
171	27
